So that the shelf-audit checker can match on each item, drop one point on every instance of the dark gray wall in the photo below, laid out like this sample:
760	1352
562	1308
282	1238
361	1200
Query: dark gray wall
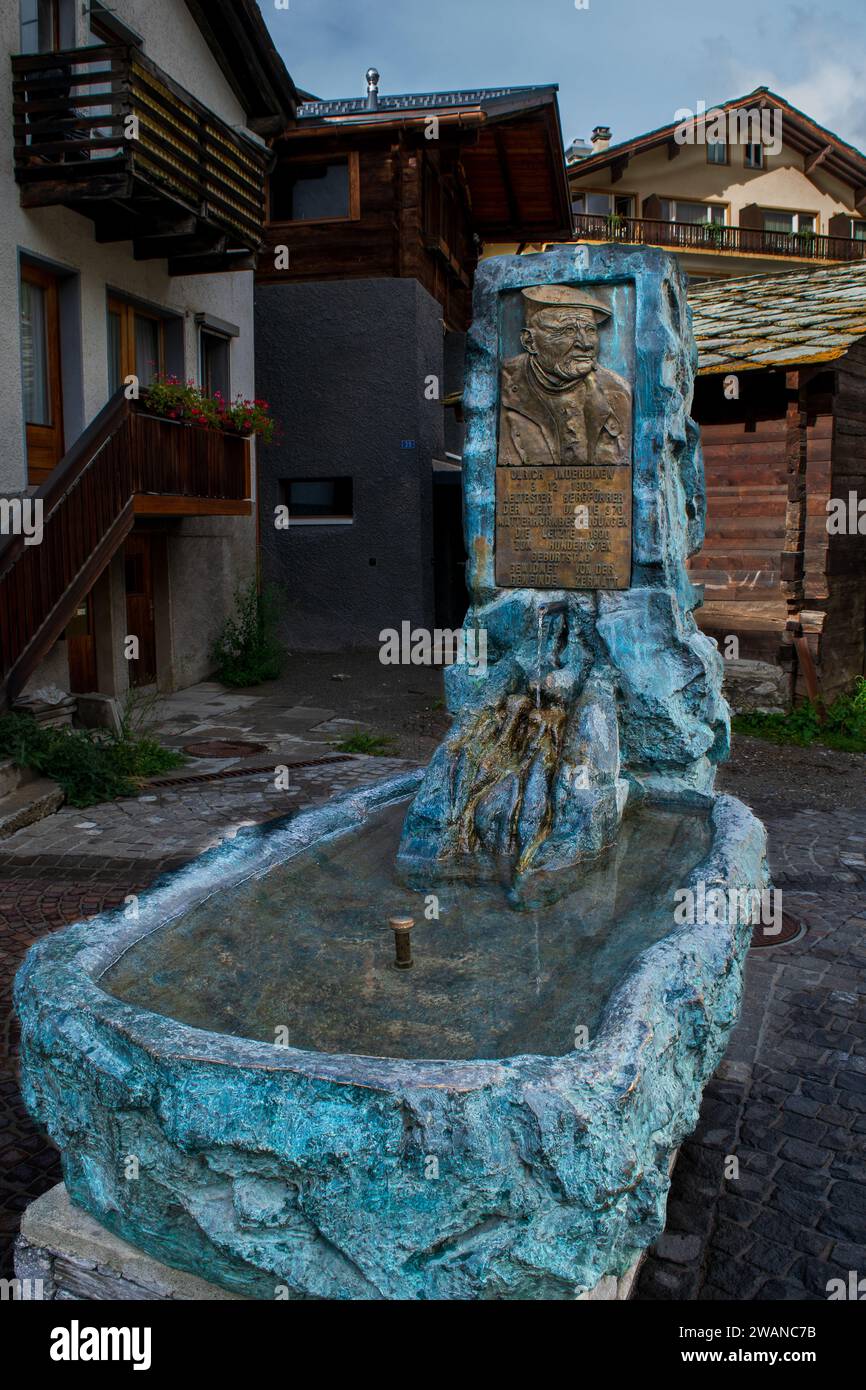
343	365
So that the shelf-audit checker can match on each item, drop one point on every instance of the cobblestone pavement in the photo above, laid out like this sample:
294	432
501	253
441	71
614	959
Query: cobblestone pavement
788	1102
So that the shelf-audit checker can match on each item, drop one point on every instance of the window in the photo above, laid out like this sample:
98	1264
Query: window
318	501
674	210
34	353
136	343
314	190
604	204
47	25
592	204
753	156
214	366
717	152
858	229
803	223
39	334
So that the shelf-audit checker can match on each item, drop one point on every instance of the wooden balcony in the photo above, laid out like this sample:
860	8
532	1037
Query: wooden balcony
104	131
706	236
126	464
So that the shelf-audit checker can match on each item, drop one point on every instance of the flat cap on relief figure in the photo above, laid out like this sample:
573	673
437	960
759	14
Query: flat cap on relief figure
563	297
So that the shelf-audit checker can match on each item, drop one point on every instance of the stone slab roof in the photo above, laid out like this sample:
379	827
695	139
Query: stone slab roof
812	315
417	101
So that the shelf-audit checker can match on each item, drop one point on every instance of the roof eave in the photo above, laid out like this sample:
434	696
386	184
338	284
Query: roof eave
848	163
239	39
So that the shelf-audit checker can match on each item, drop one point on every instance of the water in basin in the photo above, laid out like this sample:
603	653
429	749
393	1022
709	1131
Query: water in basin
303	955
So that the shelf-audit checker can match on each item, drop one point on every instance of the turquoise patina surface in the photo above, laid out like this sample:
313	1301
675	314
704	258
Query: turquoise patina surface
283	1172
588	699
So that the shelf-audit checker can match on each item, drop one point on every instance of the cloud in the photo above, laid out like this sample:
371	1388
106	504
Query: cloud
825	86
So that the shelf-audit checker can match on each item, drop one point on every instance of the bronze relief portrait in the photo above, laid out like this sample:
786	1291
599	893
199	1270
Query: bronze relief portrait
559	406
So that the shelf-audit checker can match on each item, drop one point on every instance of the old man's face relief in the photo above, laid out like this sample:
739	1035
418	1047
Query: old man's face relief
564	342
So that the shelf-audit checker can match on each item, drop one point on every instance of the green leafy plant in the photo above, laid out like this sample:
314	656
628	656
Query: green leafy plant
714	233
247	650
90	765
174	399
375	745
843	727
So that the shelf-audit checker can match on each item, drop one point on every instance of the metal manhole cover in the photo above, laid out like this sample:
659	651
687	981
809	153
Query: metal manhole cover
764	935
224	748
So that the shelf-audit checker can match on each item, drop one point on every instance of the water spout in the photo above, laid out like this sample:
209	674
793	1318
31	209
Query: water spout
402	927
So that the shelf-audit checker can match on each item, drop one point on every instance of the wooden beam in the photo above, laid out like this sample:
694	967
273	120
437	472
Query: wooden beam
818	158
618	168
674	148
213	265
793	558
150	504
130	226
200	242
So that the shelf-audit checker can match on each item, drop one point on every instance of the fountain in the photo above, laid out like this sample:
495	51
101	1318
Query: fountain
441	1038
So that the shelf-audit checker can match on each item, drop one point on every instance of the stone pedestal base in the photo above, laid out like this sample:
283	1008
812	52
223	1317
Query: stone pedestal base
62	1253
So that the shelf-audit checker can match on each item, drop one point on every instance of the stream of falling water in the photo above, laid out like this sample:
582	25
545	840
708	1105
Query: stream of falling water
538	650
536	951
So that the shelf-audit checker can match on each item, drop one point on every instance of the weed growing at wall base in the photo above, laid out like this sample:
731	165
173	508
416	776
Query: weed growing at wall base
90	766
247	650
844	725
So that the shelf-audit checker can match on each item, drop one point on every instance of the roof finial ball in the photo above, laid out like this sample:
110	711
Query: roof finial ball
372	89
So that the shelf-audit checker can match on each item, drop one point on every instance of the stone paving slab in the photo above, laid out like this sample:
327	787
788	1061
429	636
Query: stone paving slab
184	821
788	1103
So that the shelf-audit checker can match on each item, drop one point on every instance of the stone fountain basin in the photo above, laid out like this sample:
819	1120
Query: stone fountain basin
280	1172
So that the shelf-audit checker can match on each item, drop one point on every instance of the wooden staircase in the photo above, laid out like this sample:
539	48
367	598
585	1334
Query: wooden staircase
127	462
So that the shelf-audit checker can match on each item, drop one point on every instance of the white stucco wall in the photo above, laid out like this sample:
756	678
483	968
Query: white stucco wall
65	240
781	184
207	557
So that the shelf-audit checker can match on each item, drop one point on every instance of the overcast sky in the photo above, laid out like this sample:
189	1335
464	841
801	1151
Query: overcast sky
628	64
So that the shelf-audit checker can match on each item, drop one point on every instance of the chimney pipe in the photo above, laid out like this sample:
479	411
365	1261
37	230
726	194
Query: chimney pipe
372	89
600	138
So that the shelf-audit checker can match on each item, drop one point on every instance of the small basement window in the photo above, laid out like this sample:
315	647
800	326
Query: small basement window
318	501
313	191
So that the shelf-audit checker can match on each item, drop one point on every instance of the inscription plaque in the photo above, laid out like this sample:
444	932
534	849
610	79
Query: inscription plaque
563	528
563	475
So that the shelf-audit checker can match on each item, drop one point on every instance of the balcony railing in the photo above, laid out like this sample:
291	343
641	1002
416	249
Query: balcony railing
104	130
127	463
709	236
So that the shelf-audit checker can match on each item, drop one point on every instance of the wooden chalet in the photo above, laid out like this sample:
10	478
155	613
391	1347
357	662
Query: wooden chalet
411	186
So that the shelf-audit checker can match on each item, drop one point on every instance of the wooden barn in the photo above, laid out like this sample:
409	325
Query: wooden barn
781	401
